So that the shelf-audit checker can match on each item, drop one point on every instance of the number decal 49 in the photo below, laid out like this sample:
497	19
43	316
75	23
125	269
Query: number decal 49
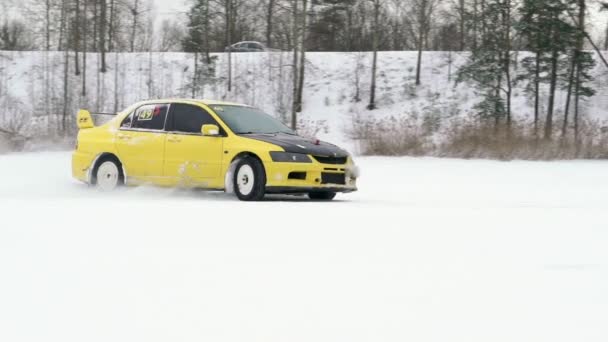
145	114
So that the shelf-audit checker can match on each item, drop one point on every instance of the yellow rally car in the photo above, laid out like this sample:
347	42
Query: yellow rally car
211	145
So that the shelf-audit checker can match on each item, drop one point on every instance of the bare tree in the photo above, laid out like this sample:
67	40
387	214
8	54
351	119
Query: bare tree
554	59
375	38
456	16
582	7
115	82
294	67
14	36
170	36
270	9
103	6
606	38
302	64
47	25
62	25
462	13
506	24
475	23
357	76
77	37
419	26
228	10
571	72
66	66
604	7
112	25
85	28
135	12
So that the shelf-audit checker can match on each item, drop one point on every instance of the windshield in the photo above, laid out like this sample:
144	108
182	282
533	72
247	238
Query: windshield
247	120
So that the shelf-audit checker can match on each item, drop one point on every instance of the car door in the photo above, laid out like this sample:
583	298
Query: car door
191	158
140	142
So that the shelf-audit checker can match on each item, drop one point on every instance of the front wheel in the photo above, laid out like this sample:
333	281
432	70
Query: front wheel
249	180
322	195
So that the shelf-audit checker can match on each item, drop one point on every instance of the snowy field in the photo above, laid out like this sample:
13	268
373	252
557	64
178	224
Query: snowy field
427	250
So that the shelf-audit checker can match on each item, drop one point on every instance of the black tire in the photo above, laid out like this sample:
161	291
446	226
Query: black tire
322	195
242	173
107	159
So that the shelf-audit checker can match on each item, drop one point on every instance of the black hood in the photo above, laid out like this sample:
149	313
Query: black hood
297	144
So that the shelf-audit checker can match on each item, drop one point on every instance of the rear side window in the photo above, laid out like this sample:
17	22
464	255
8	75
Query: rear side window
150	117
187	118
126	123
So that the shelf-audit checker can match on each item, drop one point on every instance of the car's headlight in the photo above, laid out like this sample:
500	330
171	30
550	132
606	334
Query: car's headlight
286	157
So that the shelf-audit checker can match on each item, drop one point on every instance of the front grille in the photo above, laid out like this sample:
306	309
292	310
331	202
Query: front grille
333	178
330	160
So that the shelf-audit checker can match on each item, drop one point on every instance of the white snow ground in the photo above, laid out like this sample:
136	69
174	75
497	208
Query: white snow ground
428	250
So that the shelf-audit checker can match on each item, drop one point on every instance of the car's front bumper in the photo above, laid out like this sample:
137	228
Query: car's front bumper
305	190
310	177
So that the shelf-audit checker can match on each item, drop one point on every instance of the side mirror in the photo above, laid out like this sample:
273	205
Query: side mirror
210	130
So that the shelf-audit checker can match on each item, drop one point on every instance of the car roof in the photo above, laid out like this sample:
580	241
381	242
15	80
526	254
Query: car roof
207	102
248	41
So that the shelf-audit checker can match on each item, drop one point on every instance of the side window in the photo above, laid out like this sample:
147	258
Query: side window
126	122
189	119
255	46
150	117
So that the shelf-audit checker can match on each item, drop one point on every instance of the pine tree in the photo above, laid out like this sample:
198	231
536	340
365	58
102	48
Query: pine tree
548	35
551	35
488	66
584	63
197	35
529	28
197	41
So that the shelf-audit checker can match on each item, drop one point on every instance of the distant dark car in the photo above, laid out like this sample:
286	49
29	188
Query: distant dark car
248	47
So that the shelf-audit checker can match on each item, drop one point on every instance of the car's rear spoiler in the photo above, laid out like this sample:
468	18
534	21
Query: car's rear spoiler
85	120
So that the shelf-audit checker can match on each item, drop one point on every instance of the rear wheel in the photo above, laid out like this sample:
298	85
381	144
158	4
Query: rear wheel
249	180
108	175
322	195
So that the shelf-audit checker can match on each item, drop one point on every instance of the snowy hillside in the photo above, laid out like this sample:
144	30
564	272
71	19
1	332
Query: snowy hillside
260	79
427	250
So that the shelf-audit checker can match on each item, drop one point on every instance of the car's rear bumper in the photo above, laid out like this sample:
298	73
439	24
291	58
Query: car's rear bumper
81	162
310	177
